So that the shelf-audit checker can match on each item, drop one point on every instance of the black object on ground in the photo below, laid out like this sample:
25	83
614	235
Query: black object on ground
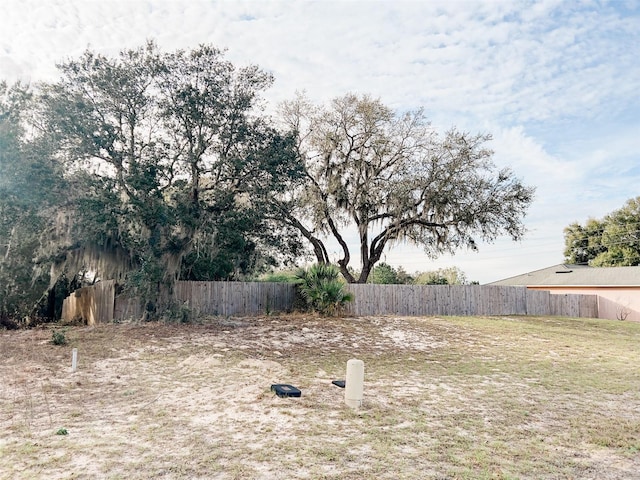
339	383
284	390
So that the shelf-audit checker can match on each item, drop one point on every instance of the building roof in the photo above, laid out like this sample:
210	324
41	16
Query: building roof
576	276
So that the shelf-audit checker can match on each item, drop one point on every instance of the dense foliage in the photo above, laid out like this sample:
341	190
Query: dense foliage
174	162
163	161
323	289
384	273
611	241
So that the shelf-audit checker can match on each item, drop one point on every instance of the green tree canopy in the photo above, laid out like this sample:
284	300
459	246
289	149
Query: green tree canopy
171	160
384	274
442	276
611	241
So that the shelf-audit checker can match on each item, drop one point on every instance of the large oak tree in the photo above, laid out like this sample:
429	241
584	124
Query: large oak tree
391	178
171	155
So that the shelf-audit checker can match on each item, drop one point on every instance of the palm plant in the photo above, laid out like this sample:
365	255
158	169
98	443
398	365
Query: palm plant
322	288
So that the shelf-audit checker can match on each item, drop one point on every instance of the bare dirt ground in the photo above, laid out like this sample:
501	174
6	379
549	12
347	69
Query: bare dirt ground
445	398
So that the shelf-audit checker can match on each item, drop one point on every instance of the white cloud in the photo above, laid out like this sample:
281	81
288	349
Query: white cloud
530	159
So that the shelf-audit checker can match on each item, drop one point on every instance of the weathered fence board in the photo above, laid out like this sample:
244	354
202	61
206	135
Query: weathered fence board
454	300
588	306
235	298
574	305
97	303
538	302
90	305
127	308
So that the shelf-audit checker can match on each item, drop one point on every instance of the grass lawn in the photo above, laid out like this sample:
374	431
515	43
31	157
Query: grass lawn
445	398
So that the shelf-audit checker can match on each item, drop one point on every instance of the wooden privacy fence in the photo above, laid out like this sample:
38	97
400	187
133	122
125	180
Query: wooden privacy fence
417	300
99	304
236	298
91	305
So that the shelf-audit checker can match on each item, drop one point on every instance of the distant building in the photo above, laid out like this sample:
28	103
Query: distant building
617	288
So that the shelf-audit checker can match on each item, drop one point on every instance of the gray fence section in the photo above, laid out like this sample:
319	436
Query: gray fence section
571	305
236	298
415	300
254	298
249	298
127	308
91	305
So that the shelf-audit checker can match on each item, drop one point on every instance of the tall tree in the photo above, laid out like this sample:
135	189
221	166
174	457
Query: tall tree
392	178
384	274
166	146
31	188
442	276
611	241
583	243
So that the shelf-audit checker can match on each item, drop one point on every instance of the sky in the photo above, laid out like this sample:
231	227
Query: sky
556	83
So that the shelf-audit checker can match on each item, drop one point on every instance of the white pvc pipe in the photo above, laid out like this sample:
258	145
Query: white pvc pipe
74	359
354	383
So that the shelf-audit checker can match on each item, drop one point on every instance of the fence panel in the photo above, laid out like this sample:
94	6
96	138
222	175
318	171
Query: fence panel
90	305
127	308
571	304
557	303
588	306
442	300
235	298
538	302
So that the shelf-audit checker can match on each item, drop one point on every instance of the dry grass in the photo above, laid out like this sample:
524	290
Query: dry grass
445	398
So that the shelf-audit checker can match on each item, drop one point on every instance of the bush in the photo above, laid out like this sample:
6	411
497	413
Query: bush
179	312
322	289
279	277
58	337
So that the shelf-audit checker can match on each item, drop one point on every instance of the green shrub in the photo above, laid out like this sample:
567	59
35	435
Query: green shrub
279	277
322	289
179	312
58	337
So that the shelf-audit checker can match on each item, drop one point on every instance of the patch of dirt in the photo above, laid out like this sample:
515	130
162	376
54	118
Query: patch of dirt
446	399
